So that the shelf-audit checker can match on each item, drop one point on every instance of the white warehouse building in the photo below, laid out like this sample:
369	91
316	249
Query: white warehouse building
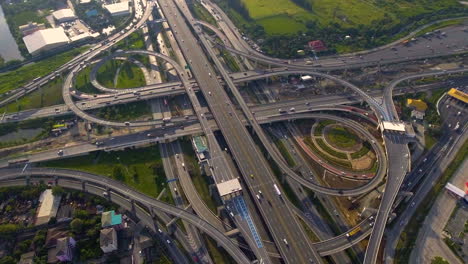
64	15
118	9
46	39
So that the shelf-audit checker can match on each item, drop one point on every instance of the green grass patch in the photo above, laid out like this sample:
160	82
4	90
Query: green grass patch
310	234
230	61
83	83
439	260
200	13
329	150
106	73
125	112
341	137
361	152
285	153
200	181
130	76
342	163
17	78
319	127
139	168
48	95
409	235
133	42
429	140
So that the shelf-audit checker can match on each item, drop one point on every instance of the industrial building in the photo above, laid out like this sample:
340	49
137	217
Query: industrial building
48	208
64	15
45	39
30	28
118	9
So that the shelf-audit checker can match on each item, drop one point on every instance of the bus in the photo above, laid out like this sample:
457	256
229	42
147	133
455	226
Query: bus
353	232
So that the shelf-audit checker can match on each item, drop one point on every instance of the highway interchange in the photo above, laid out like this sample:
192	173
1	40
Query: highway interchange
289	237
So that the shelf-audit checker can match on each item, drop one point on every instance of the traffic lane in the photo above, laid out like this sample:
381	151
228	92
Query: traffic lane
398	154
211	86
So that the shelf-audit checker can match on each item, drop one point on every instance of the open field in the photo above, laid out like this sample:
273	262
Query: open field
129	75
125	112
347	13
285	26
141	168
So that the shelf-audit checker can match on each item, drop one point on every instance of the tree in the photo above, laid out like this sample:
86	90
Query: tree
57	190
76	225
7	260
439	260
118	172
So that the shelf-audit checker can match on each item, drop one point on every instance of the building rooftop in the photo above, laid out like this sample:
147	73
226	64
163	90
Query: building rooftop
117	8
109	218
229	187
48	208
458	94
61	14
27	258
42	38
417	104
107	236
393	126
317	45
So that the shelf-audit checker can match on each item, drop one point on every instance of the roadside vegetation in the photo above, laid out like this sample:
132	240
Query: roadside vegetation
284	152
48	95
16	78
44	124
217	254
366	147
439	260
409	235
139	168
200	13
286	26
201	182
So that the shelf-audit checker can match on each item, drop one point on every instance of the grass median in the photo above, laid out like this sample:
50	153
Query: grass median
139	168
